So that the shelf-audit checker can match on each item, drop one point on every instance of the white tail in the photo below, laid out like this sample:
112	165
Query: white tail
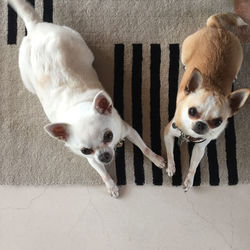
26	12
228	21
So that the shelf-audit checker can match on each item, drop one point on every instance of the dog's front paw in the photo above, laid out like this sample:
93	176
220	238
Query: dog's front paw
188	183
159	161
171	169
113	191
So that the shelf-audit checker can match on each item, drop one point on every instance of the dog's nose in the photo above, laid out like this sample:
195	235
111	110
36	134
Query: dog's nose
200	128
105	157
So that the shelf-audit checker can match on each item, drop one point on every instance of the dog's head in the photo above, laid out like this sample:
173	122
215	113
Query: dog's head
203	112
92	133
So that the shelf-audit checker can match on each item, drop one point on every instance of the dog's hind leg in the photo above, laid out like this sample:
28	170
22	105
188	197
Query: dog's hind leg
24	64
187	50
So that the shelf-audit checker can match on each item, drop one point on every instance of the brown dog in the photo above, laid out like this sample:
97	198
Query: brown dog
212	58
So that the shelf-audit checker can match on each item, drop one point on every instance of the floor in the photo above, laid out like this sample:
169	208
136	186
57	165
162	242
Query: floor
242	8
148	218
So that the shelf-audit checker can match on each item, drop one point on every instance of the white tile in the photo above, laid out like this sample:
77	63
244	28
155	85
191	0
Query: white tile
148	218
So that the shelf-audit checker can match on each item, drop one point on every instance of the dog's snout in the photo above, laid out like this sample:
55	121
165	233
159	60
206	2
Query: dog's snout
201	125
200	128
105	157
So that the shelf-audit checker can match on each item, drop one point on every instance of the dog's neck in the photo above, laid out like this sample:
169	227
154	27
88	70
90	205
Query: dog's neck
186	138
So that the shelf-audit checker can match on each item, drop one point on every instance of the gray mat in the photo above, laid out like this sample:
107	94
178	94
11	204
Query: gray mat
29	156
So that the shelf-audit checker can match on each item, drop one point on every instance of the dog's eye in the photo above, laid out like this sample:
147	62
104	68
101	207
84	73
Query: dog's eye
192	111
108	136
87	151
217	122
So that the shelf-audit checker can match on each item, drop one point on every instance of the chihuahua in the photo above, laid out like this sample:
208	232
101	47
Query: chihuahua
56	65
212	58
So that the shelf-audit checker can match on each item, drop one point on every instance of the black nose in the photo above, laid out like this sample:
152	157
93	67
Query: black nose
200	128
105	157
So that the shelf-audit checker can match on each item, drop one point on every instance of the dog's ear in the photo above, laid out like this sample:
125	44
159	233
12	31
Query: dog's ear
195	81
102	103
237	99
59	131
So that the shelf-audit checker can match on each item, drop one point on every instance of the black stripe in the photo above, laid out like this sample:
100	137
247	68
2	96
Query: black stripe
155	86
48	11
213	165
231	152
32	2
12	26
173	88
137	110
177	177
118	103
197	176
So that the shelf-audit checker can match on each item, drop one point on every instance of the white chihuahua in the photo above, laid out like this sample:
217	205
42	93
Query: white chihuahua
56	65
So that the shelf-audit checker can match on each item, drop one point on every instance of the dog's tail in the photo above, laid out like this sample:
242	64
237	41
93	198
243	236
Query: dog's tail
26	12
227	21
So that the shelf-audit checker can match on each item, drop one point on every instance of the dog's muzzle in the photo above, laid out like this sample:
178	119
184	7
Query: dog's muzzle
105	157
200	128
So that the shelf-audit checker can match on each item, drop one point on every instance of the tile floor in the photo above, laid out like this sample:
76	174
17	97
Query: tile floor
148	218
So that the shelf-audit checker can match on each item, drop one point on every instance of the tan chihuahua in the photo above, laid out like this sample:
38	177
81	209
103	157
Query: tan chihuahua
212	58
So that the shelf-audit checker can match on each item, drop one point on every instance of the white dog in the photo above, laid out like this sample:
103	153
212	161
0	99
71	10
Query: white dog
56	65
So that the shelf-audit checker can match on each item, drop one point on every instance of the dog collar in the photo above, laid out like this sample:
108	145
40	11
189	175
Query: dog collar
187	138
120	143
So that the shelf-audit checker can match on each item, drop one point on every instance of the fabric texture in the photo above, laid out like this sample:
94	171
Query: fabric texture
137	46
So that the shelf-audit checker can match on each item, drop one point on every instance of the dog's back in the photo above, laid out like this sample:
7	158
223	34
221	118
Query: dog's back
55	62
215	51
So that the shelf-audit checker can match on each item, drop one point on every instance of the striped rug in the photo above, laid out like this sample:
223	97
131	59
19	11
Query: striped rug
137	48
